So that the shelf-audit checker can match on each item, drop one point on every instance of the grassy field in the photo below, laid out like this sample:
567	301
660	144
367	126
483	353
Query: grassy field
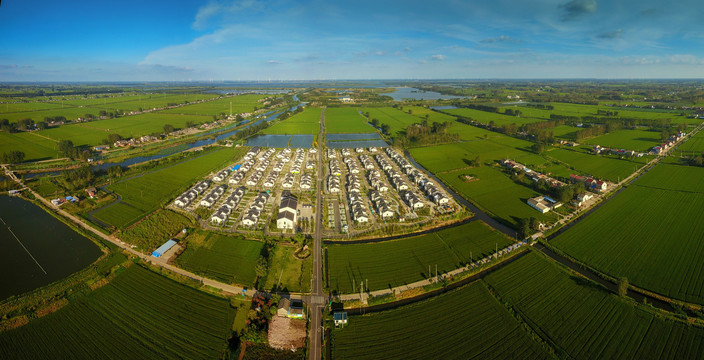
487	117
223	258
469	132
145	193
638	140
396	119
138	125
468	323
240	104
346	121
496	193
599	166
134	102
27	107
79	134
433	116
693	145
34	147
651	233
584	321
288	273
398	262
137	315
306	122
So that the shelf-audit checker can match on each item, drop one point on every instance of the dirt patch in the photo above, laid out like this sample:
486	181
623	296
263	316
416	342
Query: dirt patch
287	334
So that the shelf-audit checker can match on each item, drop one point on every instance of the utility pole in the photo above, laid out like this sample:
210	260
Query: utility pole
436	272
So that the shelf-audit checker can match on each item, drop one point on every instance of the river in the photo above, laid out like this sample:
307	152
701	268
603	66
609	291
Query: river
37	249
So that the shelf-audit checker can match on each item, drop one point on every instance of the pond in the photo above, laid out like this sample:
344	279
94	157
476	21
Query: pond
37	249
405	93
355	144
366	136
281	141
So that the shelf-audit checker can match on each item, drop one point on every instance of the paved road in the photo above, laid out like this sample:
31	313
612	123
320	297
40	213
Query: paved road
317	298
148	258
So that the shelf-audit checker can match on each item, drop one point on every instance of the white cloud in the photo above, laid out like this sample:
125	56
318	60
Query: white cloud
438	57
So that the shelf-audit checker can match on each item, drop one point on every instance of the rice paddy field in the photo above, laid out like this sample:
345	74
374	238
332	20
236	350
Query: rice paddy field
144	194
469	132
638	140
346	120
396	119
305	122
134	102
403	261
494	192
139	314
584	321
650	233
33	146
80	134
602	167
467	323
487	117
144	124
223	258
240	104
693	145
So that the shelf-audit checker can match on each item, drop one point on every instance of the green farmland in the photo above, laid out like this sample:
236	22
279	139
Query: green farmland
398	262
396	119
651	233
584	321
226	259
496	193
138	315
468	323
144	194
345	121
693	145
240	104
602	167
306	122
485	117
32	145
638	140
145	124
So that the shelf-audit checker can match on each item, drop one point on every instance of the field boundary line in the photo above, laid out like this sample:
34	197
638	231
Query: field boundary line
42	136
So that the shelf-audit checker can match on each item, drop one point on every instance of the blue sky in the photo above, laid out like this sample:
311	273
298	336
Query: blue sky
128	40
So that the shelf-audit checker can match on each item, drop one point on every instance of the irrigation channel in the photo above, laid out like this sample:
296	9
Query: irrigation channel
36	248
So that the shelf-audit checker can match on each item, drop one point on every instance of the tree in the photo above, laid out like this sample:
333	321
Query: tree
190	124
13	157
524	227
538	148
262	267
115	171
375	122
42	125
385	128
623	286
67	149
168	128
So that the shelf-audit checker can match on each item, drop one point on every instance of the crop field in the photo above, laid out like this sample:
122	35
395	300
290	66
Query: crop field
155	229
149	191
693	145
79	134
469	132
27	107
226	259
306	122
137	315
466	323
487	117
345	121
495	192
455	156
144	124
638	140
34	147
585	321
396	119
240	104
599	166
433	116
71	113
287	273
651	233
564	132
398	262
134	102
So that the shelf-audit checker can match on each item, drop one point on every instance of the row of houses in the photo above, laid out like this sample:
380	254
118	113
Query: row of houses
533	175
597	149
186	198
382	206
352	166
335	168
298	161
134	141
589	182
213	196
306	181
668	144
221	175
374	177
224	211
288	181
333	184
367	162
358	209
251	216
